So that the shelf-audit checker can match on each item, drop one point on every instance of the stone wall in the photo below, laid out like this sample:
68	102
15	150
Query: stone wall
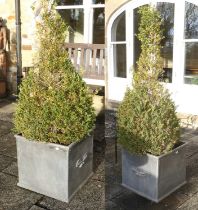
7	12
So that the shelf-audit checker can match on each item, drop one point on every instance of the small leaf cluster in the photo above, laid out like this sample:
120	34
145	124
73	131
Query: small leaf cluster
54	105
146	118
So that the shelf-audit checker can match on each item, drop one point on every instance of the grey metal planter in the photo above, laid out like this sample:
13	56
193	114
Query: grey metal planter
154	177
54	170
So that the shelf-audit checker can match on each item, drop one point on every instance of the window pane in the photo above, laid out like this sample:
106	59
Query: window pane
98	1
98	27
167	14
70	2
75	19
118	29
191	67
191	21
119	60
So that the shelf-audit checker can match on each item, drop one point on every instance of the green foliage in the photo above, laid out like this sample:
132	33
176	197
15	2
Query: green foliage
54	102
150	63
147	121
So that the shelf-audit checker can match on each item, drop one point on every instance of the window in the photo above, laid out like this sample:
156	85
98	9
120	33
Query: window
85	19
74	18
98	1
98	26
70	2
167	14
191	44
118	41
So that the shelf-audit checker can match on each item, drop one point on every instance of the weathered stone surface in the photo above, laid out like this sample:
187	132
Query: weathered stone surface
5	127
99	171
36	208
110	153
129	200
194	138
7	107
90	197
113	190
13	197
109	205
10	152
12	169
5	162
192	166
6	116
186	137
191	204
99	132
110	124
7	141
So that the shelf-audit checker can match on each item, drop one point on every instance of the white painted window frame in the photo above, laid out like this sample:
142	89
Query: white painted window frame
88	8
179	40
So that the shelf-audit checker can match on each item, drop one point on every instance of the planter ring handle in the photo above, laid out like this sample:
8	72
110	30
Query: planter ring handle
138	172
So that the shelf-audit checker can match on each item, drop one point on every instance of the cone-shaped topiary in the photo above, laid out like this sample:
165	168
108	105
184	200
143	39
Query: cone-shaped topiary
146	119
54	102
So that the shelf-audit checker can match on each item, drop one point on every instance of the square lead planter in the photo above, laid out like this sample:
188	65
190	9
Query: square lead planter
54	170
154	177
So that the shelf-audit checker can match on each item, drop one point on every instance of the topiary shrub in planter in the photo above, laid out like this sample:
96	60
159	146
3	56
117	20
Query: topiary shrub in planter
147	125
55	113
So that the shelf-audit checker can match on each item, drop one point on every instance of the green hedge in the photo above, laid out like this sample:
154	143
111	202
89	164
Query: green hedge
54	103
146	119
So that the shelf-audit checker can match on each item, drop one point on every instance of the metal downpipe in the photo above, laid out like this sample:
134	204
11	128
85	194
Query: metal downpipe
18	42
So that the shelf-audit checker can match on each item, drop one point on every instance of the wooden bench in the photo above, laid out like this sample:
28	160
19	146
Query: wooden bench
89	59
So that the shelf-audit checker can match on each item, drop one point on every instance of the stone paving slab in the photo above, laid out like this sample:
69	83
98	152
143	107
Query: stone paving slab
6	141
13	197
109	205
5	162
90	197
36	208
100	173
7	105
5	127
10	152
7	117
191	149
191	204
192	165
12	169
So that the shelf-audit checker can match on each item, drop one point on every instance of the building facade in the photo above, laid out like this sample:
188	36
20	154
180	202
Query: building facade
179	52
7	11
115	24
